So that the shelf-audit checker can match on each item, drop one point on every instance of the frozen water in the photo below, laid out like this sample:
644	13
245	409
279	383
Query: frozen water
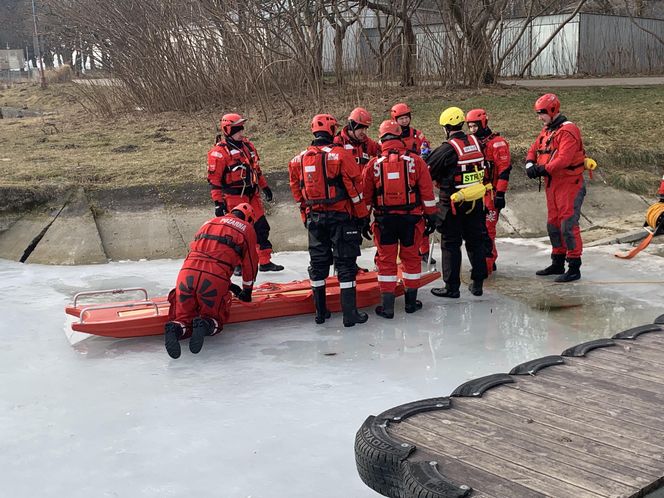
267	409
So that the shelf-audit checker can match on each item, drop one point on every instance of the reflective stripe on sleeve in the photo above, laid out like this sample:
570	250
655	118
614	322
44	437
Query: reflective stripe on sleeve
429	203
216	153
247	283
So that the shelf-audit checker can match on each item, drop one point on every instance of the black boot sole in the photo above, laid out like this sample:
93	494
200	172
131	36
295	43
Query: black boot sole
200	330
172	343
448	294
567	278
321	319
413	309
381	312
543	273
360	317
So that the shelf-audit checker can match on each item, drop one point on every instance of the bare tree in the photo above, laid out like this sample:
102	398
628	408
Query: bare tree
341	15
402	10
550	38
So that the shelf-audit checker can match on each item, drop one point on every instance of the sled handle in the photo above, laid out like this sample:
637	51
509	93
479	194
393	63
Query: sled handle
111	306
110	291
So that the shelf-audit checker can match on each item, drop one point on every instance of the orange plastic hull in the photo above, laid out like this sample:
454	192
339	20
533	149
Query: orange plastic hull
133	319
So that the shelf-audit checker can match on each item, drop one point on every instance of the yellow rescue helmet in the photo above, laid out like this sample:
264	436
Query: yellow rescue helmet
452	116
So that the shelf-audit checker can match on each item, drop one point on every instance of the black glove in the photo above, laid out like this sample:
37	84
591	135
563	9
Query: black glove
430	224
661	197
235	289
499	201
267	192
245	295
365	227
220	208
536	171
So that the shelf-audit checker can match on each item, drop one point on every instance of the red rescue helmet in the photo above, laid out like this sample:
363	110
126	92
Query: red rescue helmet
359	117
324	122
389	127
247	211
548	104
229	121
399	109
477	116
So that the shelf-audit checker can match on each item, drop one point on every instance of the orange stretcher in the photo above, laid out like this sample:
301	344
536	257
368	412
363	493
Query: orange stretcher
147	316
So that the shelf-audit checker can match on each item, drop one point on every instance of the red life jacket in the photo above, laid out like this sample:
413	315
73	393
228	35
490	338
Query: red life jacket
545	150
321	181
239	176
470	167
396	188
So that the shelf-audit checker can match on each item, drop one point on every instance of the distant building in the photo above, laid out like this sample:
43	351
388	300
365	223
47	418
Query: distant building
592	44
11	60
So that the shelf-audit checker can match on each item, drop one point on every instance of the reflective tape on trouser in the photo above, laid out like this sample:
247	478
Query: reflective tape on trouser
317	283
347	285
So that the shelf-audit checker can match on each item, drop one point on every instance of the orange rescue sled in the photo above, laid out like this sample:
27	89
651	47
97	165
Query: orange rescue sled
270	300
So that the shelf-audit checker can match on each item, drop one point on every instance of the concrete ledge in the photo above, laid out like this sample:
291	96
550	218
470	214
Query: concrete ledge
148	224
73	238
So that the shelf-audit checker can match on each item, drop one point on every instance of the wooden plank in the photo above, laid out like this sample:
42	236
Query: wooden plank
526	423
643	411
613	477
584	370
635	349
653	338
480	457
615	369
607	383
611	431
632	365
588	400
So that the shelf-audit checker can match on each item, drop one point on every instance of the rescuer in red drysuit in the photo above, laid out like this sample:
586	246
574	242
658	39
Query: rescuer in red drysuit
661	190
201	300
399	188
498	166
417	143
327	184
558	155
353	137
235	176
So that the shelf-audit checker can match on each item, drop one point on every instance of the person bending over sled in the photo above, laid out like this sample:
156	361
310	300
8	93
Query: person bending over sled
201	300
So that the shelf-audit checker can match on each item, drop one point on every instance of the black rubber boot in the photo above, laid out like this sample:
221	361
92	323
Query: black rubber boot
237	271
475	287
172	333
386	310
322	313
412	303
270	267
446	292
557	266
349	308
573	273
200	328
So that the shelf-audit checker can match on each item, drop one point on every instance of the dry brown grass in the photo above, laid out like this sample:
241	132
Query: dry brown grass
68	145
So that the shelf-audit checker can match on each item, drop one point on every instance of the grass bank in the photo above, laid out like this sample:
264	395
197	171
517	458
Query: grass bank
67	145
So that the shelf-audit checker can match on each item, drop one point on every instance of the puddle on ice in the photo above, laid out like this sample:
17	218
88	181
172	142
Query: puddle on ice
269	408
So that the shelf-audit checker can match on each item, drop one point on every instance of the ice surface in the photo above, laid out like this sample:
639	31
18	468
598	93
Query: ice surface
267	409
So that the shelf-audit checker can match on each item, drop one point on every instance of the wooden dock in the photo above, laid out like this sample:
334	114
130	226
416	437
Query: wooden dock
587	423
